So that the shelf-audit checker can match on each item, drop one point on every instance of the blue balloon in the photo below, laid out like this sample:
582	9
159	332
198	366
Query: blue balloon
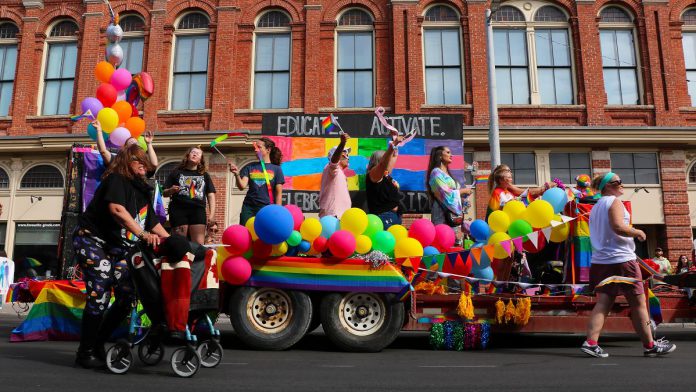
430	251
480	230
329	225
292	251
304	246
557	198
483	273
273	224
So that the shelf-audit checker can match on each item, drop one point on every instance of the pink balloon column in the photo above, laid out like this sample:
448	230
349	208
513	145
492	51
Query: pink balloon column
444	237
237	240
236	270
423	231
342	244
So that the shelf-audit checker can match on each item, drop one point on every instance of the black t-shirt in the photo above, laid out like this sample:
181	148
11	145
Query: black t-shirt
133	195
257	195
381	196
193	187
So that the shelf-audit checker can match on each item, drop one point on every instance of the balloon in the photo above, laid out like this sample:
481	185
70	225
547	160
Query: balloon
483	273
250	226
91	105
261	249
135	112
560	232
408	247
515	209
297	215
103	71
310	229
236	238
495	239
519	228
143	87
304	246
119	136
342	243
279	249
106	94
92	133
236	270
383	241
498	221
480	230
121	96
363	244
354	220
222	255
430	251
120	79
399	232
114	33
374	224
444	236
329	225
135	125
295	238
123	109
422	230
109	120
557	198
539	214
320	244
273	224
142	143
114	54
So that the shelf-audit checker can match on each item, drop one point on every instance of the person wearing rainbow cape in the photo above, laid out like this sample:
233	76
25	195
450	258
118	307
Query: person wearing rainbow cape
502	189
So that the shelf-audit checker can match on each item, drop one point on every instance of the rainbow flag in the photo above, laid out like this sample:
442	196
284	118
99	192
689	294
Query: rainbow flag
192	190
655	308
87	114
329	123
482	179
32	262
140	219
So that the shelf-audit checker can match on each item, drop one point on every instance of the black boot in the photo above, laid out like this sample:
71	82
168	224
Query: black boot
113	317
85	353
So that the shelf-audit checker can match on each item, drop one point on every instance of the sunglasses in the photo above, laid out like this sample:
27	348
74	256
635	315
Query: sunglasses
615	182
136	159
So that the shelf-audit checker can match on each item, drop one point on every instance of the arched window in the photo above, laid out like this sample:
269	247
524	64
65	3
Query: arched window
133	42
42	176
4	179
619	57
508	14
550	14
355	60
190	84
692	174
59	72
443	56
272	61
689	44
8	64
163	171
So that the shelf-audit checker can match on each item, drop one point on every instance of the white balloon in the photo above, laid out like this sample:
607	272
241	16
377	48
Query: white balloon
114	54
114	33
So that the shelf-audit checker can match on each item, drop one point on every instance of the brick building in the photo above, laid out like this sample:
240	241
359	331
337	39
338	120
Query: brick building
583	86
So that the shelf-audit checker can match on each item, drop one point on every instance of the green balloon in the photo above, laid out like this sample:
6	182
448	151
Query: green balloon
383	241
519	228
142	143
295	238
374	225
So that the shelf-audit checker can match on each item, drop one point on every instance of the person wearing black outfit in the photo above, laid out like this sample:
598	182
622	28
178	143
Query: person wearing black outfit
119	215
190	187
382	190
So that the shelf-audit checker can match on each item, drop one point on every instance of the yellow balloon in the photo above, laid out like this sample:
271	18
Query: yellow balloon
408	247
539	214
498	250
355	221
310	229
498	221
560	232
515	210
279	249
399	232
250	226
363	244
222	255
108	118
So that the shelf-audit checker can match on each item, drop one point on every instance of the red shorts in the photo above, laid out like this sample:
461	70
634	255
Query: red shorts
629	269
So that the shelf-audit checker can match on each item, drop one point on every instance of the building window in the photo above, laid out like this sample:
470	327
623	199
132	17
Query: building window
468	174
133	42
36	248
692	174
568	165
523	166
511	60
59	74
443	58
689	44
191	62
354	87
272	61
163	171
8	64
42	176
553	57
4	180
619	63
635	168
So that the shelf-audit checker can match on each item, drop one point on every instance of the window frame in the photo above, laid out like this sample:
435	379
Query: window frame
622	26
133	35
172	162
268	31
633	153
570	167
9	180
514	176
689	29
355	29
44	64
172	74
690	168
34	166
9	42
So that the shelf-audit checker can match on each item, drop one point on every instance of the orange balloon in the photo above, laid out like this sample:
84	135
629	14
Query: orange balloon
123	109
103	71
136	126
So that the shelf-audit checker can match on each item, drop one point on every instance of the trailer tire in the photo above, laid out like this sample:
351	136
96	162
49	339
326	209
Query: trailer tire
269	318
362	322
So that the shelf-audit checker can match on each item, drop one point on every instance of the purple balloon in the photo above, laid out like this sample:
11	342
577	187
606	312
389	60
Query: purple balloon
93	105
119	136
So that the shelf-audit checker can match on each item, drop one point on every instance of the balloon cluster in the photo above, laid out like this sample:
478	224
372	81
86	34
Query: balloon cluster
283	231
117	97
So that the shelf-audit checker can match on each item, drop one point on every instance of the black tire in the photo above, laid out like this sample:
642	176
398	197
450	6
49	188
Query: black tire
316	314
268	318
370	326
210	352
150	351
119	358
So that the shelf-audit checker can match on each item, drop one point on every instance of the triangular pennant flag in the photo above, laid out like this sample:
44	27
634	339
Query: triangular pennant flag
547	232
428	260
452	257
490	251
507	246
415	263
518	241
555	223
464	255
399	261
476	255
440	260
566	219
534	238
447	266
406	263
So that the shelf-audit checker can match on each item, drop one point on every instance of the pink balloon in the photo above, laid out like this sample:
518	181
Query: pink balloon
423	231
119	136
120	79
342	244
237	240
444	237
297	216
236	270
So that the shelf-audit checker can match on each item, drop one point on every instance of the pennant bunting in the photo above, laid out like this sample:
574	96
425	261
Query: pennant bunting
547	232
534	238
507	246
452	258
555	223
440	260
415	263
518	242
566	219
476	255
490	251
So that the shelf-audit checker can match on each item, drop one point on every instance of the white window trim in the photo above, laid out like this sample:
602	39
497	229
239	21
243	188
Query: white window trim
363	28
268	31
136	34
44	57
688	29
24	172
430	25
11	41
689	167
657	160
186	32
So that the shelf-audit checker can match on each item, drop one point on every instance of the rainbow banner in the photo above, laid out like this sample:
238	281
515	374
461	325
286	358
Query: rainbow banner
318	274
655	308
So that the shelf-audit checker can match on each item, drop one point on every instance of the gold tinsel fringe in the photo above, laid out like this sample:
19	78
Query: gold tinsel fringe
499	311
523	311
510	312
429	288
465	309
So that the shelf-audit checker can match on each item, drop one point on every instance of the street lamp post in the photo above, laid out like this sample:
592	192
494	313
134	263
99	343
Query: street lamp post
493	131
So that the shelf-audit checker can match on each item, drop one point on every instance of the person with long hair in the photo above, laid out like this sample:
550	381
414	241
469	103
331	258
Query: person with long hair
382	190
108	155
684	264
502	190
444	191
119	215
254	176
614	270
191	190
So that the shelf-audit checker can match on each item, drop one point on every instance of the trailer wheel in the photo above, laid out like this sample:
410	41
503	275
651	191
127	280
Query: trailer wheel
268	318
362	322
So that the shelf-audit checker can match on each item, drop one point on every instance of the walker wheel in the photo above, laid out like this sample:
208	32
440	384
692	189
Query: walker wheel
210	352
119	358
185	361
150	351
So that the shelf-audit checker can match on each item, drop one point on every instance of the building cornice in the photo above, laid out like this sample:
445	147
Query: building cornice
586	136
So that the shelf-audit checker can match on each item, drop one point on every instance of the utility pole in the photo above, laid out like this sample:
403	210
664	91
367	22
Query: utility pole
493	131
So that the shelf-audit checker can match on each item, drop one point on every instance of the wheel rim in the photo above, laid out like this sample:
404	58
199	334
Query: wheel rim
269	310
119	358
211	353
362	314
185	362
150	353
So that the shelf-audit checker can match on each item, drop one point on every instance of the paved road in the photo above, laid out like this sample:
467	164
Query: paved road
513	363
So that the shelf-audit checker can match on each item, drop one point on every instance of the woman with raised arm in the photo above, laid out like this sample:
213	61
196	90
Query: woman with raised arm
382	190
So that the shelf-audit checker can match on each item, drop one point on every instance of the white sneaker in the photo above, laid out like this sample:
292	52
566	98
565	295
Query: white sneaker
594	351
660	347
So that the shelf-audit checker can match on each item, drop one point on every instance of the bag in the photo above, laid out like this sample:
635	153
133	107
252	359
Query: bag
452	219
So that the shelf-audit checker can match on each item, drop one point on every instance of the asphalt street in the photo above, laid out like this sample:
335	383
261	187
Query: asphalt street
512	363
